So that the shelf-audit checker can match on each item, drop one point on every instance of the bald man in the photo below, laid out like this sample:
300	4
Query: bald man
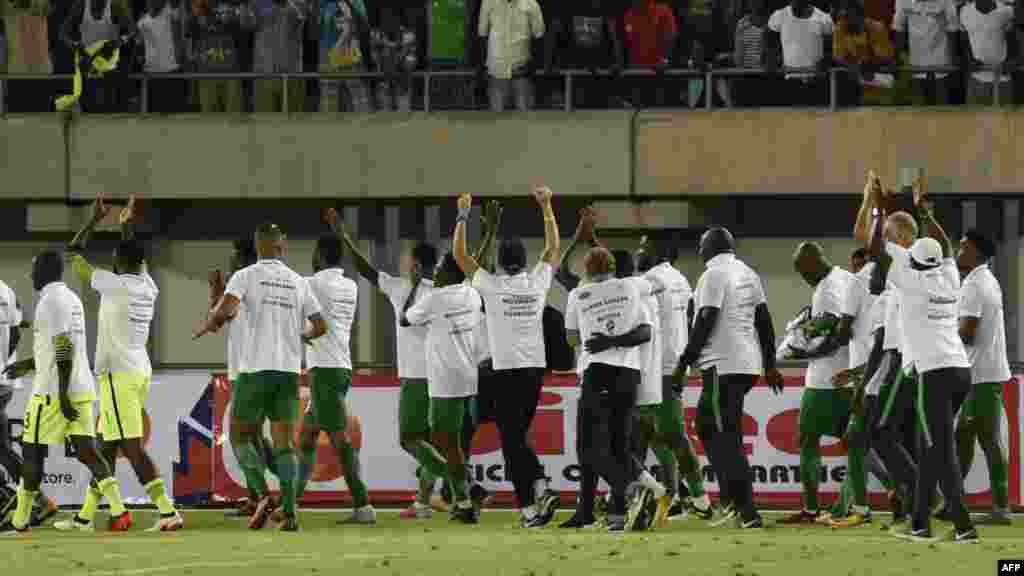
824	410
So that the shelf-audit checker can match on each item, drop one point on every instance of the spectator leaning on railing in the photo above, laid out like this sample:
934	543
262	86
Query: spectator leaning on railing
584	35
216	32
987	26
863	46
749	52
929	28
344	47
650	37
89	22
510	26
279	25
805	35
163	53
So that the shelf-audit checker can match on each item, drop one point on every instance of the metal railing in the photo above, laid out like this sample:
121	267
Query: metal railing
709	76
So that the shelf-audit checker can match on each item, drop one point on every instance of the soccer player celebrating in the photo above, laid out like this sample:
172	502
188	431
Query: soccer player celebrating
414	400
927	278
824	411
732	342
452	310
61	408
279	302
330	368
983	331
609	317
514	304
654	260
127	303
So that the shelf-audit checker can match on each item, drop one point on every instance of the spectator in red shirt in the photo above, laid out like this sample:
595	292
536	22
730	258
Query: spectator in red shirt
649	33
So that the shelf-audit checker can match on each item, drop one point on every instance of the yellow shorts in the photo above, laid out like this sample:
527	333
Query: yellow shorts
122	398
46	424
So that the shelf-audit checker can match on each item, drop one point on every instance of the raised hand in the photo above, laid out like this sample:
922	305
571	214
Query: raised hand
100	209
330	217
465	202
920	190
492	213
542	194
128	212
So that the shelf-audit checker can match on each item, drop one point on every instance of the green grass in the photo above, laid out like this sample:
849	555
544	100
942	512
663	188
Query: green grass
218	546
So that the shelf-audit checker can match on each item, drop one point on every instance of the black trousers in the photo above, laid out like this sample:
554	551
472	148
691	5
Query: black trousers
509	398
9	459
894	430
941	393
720	428
607	398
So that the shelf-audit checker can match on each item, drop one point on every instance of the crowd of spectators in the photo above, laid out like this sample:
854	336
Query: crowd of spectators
516	49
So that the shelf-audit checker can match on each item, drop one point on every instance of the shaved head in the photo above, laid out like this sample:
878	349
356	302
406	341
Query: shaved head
270	241
715	241
810	261
900	228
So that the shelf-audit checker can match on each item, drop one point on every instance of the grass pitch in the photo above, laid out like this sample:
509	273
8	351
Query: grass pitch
215	545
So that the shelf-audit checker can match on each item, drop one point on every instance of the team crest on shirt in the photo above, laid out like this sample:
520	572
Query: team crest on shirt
583	295
609	326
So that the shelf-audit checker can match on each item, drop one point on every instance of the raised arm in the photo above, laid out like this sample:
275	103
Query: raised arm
584	233
363	266
926	217
552	242
492	223
100	210
126	219
221	313
466	263
403	321
862	229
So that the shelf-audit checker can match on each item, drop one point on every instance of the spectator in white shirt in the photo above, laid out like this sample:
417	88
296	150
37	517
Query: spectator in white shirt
983	331
510	26
160	28
514	303
929	28
805	36
989	28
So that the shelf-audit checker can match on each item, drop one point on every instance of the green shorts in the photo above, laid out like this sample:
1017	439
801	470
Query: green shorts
329	388
448	415
824	413
985	403
413	407
266	395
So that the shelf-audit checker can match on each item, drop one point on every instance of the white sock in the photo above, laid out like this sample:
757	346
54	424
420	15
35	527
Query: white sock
421	506
539	487
704	501
651	483
465	504
369	507
529	512
862	510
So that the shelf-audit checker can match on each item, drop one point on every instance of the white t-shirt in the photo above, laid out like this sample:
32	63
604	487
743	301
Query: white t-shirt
929	301
158	37
337	296
515	311
59	311
611	307
483	347
127	305
278	301
735	289
412	340
859	304
828	299
982	298
10	316
453	313
987	33
673	293
649	393
927	23
803	39
878	309
238	340
895	339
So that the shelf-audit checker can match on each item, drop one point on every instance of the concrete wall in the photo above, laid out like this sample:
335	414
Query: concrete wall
32	158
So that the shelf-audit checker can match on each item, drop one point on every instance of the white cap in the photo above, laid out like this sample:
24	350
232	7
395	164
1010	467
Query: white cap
926	252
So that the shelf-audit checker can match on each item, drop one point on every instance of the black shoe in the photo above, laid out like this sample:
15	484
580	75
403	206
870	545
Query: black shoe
479	495
446	494
677	509
546	505
465	515
290	524
705	513
636	519
578	521
617	526
967	537
752	524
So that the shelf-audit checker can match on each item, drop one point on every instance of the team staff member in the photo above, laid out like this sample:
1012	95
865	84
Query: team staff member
453	313
929	283
608	316
127	303
63	393
514	306
329	359
824	411
983	331
732	342
416	282
279	302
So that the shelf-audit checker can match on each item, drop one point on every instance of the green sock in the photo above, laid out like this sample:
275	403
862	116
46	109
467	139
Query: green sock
426	482
689	466
112	490
842	506
93	497
669	468
252	465
307	461
157	492
268	455
858	478
349	459
287	467
23	511
430	459
458	484
810	461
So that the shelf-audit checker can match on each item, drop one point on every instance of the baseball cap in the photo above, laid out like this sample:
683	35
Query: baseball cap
926	252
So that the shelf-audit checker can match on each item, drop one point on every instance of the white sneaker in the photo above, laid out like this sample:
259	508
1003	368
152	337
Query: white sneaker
74	523
365	516
417	512
652	484
168	524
